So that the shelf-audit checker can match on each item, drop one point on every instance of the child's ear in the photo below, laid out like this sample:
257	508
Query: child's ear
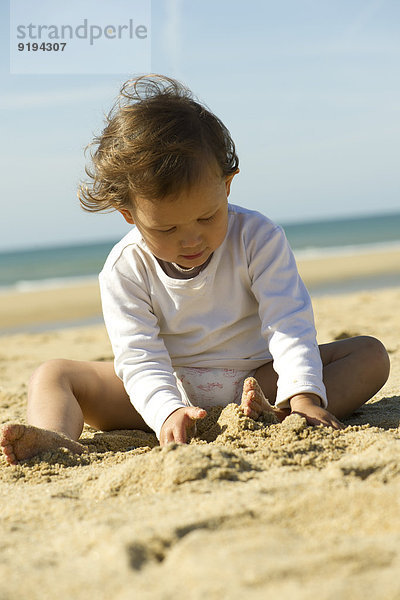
228	181
127	215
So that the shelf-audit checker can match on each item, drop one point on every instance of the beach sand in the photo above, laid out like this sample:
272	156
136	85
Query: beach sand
249	509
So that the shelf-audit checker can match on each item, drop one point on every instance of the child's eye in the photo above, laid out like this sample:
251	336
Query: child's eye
208	219
170	230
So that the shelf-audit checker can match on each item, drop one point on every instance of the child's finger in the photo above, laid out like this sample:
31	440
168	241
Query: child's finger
180	436
180	432
338	424
194	416
195	413
334	423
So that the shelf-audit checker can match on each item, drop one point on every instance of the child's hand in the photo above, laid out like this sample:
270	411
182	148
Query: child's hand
309	406
175	427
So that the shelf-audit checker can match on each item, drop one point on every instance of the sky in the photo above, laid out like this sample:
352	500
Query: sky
309	89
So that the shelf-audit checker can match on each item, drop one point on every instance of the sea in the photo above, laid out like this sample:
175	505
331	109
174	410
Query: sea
57	266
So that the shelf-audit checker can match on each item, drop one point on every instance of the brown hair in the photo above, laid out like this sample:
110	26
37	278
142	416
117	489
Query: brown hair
158	140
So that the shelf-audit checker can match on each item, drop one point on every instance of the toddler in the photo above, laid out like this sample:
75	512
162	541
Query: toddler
202	299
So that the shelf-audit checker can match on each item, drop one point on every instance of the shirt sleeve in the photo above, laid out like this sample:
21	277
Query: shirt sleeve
286	314
141	360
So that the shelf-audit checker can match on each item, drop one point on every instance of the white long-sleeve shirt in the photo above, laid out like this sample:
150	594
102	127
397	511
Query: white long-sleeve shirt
246	307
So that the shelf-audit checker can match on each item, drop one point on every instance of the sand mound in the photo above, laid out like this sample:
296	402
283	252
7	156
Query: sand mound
378	463
169	467
228	446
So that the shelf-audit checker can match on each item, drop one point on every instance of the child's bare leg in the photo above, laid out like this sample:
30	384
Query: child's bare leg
354	370
62	395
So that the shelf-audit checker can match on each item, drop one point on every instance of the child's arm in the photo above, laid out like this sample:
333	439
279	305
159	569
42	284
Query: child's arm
309	406
141	359
287	320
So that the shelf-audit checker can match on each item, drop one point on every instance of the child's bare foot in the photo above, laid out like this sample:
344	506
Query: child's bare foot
20	442
254	403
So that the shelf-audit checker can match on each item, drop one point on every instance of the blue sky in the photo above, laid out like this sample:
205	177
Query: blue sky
310	90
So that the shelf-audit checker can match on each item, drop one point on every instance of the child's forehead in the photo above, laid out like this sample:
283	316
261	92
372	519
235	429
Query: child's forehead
197	201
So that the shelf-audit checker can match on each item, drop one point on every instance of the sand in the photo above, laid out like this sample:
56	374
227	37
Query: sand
249	509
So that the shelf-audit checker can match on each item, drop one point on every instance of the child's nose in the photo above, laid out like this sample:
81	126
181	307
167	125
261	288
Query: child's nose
191	239
191	242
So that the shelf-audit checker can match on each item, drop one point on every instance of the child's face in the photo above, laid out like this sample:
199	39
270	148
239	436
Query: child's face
188	228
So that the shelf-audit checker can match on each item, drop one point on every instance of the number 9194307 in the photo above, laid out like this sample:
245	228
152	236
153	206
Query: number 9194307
44	47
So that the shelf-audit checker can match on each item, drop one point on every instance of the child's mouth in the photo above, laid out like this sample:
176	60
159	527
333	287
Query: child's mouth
193	256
